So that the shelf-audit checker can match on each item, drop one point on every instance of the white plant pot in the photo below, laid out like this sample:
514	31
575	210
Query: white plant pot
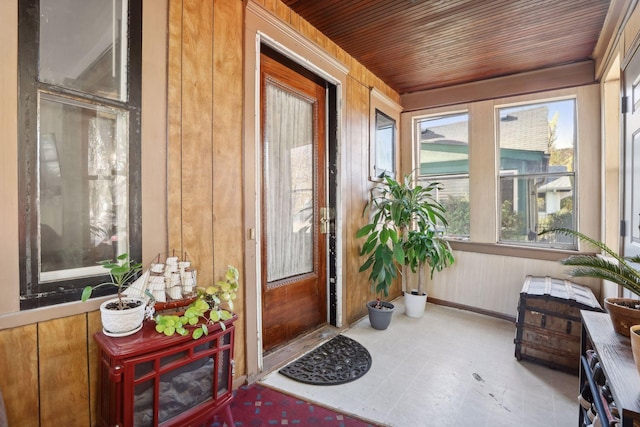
120	323
414	305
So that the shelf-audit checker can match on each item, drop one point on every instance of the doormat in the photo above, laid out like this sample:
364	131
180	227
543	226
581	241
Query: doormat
258	406
338	361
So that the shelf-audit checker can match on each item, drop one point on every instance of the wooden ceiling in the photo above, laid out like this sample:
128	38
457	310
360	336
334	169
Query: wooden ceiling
416	45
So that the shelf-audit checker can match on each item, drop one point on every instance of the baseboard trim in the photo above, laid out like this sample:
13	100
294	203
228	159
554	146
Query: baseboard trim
472	309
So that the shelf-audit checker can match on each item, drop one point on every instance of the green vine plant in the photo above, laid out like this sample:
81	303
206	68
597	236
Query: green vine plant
205	311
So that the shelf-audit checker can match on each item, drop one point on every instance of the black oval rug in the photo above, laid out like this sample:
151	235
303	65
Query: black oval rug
338	361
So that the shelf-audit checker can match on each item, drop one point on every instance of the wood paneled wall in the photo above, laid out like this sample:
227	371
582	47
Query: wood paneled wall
357	289
49	372
205	141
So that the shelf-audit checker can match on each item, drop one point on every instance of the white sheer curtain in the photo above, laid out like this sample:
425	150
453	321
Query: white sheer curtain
289	184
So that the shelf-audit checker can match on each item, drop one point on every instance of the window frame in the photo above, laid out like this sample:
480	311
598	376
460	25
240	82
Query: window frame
425	178
34	292
527	175
379	102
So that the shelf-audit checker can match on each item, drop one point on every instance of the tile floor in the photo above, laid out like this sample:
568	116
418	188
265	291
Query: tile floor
449	368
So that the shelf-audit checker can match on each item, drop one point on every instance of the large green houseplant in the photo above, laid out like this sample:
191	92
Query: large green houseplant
405	229
608	266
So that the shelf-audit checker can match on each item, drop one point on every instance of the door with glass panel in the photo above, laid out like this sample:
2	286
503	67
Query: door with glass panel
631	223
293	203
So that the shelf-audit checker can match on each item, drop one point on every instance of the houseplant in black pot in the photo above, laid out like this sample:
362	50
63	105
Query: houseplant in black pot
624	312
404	230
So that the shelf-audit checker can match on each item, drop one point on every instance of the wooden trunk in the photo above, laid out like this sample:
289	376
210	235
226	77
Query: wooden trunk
549	323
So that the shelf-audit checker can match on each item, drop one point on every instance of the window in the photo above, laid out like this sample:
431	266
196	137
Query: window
385	146
384	115
537	177
79	143
443	156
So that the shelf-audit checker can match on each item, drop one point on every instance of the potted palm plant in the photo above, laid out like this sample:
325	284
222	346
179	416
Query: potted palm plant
122	315
404	230
624	312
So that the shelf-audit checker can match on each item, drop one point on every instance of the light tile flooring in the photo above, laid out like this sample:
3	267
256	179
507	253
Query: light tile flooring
449	368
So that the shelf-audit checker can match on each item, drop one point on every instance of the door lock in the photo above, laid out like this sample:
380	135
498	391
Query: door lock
325	220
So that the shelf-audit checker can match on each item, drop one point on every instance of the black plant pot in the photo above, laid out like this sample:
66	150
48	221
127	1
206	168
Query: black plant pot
380	317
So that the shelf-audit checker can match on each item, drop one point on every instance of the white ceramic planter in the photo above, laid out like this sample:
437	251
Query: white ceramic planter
120	323
414	305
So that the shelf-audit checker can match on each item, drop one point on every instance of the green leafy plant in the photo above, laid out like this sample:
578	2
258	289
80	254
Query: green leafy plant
206	310
427	247
405	229
620	272
121	272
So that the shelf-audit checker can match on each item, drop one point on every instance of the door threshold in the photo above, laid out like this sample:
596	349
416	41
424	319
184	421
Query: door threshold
278	358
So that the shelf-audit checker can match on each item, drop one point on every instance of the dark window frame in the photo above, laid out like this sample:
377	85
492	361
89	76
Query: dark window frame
34	294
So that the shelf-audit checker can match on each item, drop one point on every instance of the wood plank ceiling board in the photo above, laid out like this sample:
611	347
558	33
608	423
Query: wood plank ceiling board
415	45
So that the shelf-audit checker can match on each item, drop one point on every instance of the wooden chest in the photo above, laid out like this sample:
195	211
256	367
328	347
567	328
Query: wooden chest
549	323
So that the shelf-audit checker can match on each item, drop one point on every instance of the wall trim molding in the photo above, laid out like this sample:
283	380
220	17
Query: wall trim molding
294	35
561	77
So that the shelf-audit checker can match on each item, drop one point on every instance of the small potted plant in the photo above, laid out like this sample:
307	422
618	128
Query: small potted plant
624	312
205	311
122	315
405	230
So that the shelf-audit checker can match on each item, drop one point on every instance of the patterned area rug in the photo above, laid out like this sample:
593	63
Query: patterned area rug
257	406
338	361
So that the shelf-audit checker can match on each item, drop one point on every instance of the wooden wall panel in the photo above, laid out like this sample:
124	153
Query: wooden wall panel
62	364
227	147
197	139
19	375
94	325
357	288
174	124
205	140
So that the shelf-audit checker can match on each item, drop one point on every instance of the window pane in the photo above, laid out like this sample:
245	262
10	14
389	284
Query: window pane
454	196
83	208
289	184
444	145
385	145
538	138
530	204
444	157
537	172
83	46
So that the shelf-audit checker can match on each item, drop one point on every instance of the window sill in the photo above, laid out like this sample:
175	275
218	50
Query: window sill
544	254
36	315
